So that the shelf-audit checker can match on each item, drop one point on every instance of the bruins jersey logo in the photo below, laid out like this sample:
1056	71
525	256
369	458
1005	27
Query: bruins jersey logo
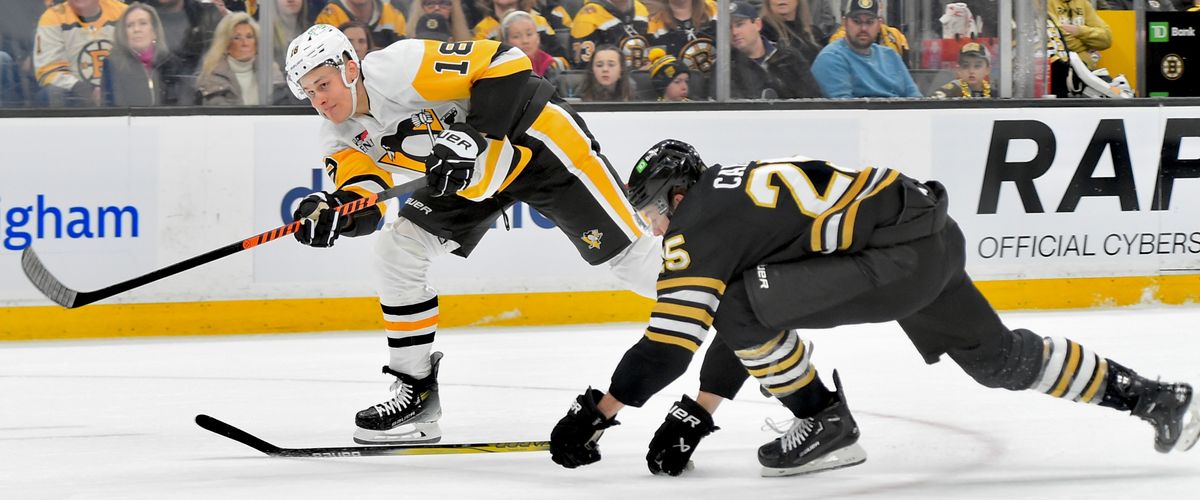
634	49
412	142
91	60
699	54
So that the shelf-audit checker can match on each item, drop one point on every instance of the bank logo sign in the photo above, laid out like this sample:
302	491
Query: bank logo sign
1162	32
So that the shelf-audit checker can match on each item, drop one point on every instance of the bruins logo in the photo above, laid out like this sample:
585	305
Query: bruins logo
1172	66
91	60
634	48
699	55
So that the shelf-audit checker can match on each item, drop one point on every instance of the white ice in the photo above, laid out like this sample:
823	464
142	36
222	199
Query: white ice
113	419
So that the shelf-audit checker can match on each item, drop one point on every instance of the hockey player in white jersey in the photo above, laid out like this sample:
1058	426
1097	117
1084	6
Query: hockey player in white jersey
485	132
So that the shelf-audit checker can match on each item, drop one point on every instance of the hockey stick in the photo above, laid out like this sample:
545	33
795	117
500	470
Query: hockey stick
252	441
54	290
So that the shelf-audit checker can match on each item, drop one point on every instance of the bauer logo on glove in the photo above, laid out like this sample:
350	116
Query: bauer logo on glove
451	165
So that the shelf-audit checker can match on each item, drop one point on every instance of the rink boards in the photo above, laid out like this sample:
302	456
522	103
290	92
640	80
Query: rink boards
1062	207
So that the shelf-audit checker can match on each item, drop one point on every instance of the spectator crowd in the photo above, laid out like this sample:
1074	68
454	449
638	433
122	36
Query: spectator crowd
76	53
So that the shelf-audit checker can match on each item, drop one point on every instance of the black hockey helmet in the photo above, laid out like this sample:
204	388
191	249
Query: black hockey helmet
667	168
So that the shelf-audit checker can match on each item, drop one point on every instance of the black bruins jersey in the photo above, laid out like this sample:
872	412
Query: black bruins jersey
739	216
693	45
598	23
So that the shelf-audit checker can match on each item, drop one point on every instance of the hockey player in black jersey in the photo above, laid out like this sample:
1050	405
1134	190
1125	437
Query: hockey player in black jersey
787	245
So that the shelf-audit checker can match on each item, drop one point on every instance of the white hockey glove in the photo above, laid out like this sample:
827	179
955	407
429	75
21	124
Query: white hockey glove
448	169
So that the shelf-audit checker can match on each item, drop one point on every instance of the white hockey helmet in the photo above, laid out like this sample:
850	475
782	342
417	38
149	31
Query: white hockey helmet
319	45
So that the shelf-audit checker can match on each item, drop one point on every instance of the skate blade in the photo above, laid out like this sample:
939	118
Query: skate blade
838	459
1191	427
409	433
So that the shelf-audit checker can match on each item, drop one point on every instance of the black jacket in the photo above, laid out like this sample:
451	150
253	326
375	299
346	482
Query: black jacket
783	74
127	83
202	21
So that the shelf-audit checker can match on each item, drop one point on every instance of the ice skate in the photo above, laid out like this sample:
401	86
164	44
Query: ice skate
410	416
1171	409
825	441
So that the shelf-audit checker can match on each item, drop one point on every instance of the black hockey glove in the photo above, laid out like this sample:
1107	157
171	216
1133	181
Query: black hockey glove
574	440
449	167
675	440
319	226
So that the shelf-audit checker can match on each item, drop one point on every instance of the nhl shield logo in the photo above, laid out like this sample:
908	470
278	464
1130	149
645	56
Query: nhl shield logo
592	238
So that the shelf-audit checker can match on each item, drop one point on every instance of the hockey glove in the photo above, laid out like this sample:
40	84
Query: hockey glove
319	226
448	169
675	440
573	442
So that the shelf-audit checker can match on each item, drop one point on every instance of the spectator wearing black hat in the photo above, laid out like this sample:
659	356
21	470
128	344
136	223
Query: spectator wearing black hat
669	76
762	69
973	68
453	10
856	66
887	36
433	27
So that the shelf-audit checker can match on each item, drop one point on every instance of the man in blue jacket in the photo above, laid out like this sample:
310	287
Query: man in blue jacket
856	66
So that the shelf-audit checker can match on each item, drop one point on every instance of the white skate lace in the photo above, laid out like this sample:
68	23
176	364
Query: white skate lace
404	395
794	433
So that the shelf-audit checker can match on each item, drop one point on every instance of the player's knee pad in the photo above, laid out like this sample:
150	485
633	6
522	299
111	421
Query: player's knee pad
1012	360
781	364
1071	371
403	253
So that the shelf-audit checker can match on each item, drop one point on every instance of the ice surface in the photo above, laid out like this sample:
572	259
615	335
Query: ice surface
113	419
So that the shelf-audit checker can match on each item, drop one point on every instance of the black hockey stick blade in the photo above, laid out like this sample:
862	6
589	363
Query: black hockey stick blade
269	449
69	298
46	282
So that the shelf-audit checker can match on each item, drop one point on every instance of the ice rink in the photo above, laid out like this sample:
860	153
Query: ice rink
114	419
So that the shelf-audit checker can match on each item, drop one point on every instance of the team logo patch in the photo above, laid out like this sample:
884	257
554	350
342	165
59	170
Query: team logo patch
866	4
362	142
592	238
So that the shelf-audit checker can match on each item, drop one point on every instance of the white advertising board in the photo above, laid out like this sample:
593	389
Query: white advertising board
1073	192
199	182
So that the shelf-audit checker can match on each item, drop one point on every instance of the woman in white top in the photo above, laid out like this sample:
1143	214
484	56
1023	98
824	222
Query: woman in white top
229	71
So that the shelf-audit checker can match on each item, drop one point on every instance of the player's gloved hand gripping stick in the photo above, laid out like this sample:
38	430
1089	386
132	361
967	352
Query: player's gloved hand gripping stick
66	297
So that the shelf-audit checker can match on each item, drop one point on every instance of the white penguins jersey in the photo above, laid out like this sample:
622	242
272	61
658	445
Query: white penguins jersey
420	87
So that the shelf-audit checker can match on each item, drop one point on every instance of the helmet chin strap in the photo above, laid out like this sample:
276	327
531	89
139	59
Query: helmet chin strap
353	91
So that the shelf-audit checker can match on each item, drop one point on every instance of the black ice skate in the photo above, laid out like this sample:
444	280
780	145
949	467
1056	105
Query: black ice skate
1171	409
825	441
410	416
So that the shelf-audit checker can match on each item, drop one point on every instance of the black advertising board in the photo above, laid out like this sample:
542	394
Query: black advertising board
1172	54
